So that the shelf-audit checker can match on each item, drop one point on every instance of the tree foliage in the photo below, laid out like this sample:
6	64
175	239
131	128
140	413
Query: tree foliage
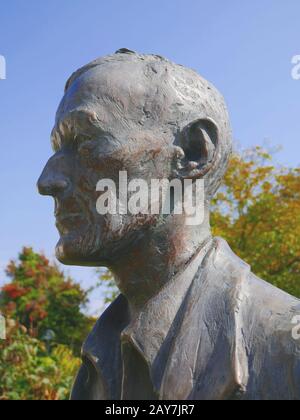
28	371
46	328
258	213
41	298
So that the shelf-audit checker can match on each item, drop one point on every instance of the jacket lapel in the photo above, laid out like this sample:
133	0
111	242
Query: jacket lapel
102	351
208	359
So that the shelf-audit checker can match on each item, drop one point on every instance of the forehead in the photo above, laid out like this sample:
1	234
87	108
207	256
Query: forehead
117	97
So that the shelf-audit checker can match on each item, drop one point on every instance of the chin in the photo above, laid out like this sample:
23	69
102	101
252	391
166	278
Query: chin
70	250
90	248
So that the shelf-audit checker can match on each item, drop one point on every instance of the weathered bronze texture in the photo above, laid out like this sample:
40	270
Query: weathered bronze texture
192	321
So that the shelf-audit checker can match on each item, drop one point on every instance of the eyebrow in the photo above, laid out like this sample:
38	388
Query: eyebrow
68	131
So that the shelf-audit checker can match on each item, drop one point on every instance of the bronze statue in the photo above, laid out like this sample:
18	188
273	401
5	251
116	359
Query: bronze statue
192	321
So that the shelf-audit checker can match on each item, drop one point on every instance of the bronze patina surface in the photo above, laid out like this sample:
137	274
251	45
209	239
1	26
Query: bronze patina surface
192	321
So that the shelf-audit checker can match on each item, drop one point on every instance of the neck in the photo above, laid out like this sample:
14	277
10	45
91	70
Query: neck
156	258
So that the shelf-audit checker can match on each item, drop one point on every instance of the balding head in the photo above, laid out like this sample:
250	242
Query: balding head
126	92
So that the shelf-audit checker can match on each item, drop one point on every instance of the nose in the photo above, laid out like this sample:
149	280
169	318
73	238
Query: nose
52	181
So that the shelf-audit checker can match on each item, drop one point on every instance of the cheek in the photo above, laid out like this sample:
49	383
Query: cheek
150	164
120	228
86	194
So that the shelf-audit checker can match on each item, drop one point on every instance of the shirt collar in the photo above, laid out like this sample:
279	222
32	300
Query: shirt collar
149	329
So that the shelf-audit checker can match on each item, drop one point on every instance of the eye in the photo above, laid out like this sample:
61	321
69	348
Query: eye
89	154
86	149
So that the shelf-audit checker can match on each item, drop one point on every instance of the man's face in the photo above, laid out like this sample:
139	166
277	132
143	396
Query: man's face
101	130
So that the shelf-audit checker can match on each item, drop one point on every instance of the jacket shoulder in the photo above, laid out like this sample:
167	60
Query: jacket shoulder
256	291
266	331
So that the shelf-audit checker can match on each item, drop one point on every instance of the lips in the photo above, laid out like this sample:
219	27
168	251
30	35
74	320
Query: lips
65	223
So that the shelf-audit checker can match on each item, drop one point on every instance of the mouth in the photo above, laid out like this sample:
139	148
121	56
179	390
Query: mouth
69	222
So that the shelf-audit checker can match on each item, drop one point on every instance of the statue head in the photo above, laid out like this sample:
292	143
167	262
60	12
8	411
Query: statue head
139	114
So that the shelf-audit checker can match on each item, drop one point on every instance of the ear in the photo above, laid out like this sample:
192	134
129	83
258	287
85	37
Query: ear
200	144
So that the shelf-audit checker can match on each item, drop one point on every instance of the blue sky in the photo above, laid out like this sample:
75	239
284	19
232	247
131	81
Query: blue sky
244	48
